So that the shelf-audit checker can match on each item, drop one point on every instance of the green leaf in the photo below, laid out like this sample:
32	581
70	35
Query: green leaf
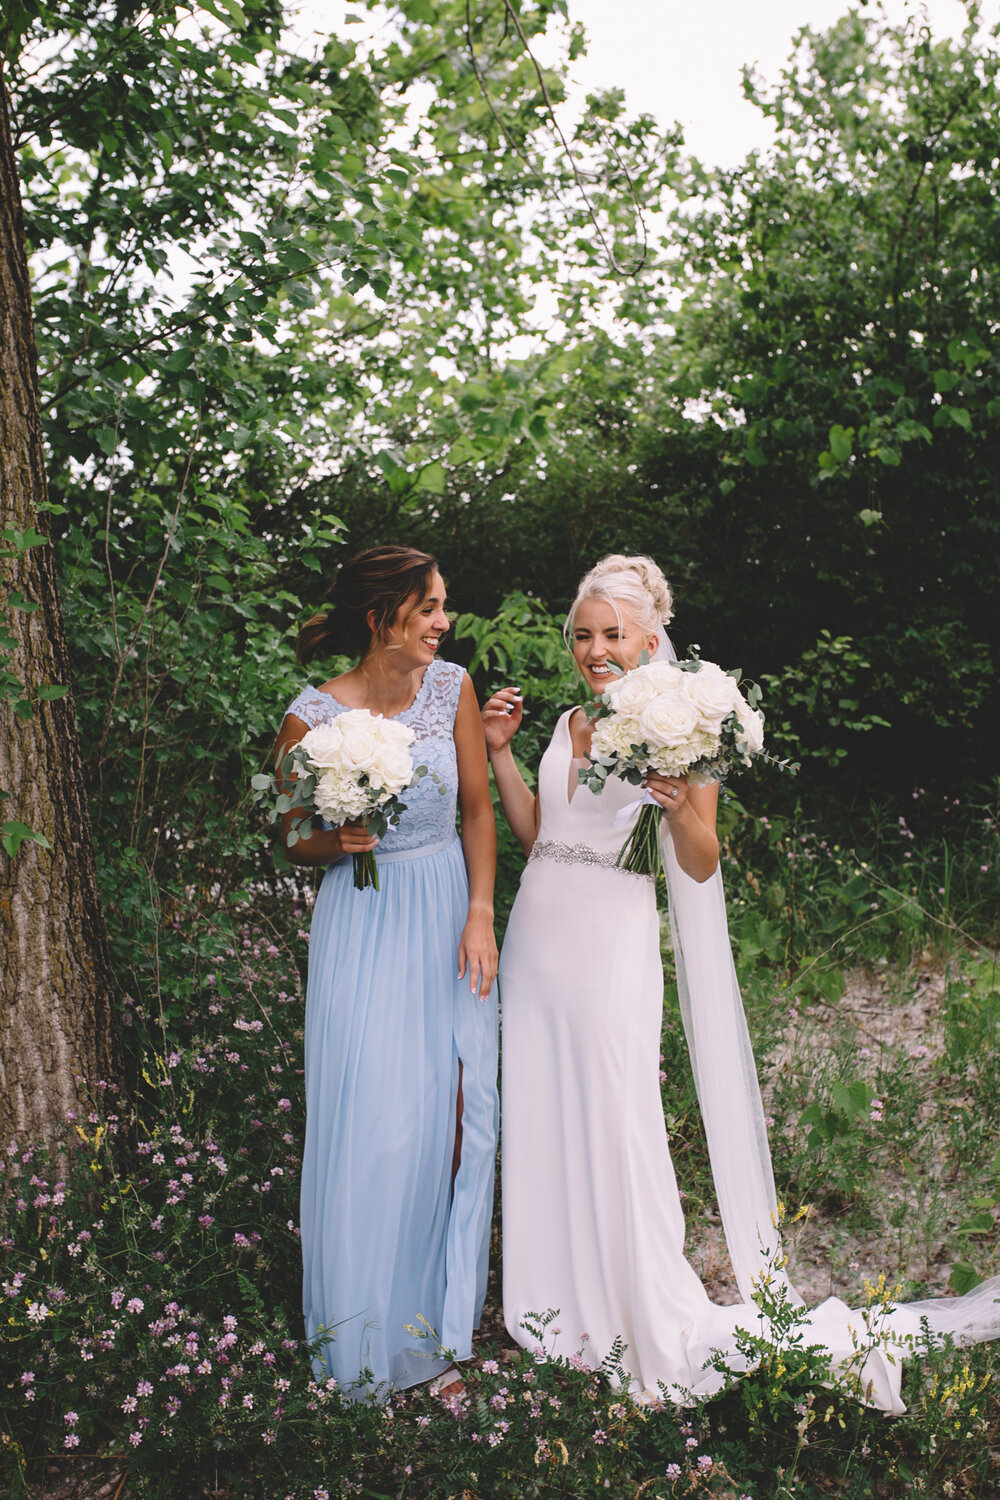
981	1223
841	442
433	479
957	415
50	691
17	600
964	1277
13	834
179	359
226	10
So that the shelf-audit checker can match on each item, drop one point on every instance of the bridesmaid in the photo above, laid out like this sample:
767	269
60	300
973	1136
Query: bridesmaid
401	1022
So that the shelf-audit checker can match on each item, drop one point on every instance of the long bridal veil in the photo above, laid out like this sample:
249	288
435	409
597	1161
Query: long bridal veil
728	1090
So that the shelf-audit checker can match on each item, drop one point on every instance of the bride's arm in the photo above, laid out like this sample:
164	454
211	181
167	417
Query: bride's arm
501	720
689	813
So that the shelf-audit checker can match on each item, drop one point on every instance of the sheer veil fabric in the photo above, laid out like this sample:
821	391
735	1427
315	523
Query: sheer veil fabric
728	1089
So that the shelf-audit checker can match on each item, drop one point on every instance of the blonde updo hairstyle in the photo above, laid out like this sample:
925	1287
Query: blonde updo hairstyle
633	584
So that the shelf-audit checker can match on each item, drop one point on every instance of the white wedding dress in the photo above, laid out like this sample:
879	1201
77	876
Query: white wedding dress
592	1224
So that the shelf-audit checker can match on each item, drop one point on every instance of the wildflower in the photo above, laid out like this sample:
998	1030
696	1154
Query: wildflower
248	1401
38	1312
144	1388
490	1367
284	1104
135	1438
229	1323
71	1418
673	1471
27	1377
691	1442
71	1440
600	1436
704	1462
135	1305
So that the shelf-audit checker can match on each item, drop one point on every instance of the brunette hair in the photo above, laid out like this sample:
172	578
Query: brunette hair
380	580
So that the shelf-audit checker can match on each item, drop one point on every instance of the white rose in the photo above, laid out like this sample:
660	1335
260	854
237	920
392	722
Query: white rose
714	694
391	733
361	740
752	730
670	720
394	769
323	745
630	694
663	674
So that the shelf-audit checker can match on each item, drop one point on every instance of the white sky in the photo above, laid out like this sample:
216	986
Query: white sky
683	59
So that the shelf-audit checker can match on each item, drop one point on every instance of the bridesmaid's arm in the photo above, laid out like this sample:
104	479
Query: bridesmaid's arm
323	845
689	813
501	721
477	950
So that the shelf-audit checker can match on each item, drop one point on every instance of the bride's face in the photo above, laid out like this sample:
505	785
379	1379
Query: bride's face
602	634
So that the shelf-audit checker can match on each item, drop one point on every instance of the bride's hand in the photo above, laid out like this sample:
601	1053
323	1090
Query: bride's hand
501	717
669	791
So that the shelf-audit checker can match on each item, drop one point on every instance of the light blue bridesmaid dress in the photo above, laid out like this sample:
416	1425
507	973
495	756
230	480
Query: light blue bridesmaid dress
389	1244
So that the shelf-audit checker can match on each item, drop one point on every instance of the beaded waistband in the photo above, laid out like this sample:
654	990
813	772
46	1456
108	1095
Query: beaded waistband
579	854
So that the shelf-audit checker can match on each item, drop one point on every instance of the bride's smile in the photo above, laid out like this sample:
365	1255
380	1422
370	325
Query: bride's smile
606	638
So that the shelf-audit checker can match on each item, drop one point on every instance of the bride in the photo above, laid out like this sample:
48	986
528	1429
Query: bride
592	1224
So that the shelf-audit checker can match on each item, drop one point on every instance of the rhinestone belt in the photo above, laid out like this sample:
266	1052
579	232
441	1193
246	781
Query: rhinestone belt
578	854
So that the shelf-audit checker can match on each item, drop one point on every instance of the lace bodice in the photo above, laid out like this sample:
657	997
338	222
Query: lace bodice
430	806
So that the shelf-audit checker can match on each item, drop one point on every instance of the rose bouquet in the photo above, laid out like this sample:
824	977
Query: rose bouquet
352	769
683	718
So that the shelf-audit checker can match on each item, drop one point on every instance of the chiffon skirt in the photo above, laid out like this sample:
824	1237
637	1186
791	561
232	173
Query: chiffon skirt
395	1255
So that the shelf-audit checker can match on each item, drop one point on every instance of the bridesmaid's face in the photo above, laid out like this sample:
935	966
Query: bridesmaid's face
602	634
420	624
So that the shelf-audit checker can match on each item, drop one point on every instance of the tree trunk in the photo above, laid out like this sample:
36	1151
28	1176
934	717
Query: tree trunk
57	1029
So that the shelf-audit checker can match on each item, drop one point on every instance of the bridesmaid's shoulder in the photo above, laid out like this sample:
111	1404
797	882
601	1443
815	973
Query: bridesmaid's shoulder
447	673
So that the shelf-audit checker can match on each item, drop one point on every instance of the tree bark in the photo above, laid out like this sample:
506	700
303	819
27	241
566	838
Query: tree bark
58	1037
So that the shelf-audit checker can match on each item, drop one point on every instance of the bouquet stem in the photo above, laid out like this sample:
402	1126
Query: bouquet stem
365	870
640	852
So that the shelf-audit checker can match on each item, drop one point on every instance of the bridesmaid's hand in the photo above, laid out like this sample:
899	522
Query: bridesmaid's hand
477	952
353	838
671	792
501	717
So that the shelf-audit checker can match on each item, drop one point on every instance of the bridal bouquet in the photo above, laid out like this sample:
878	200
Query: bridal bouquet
683	718
352	769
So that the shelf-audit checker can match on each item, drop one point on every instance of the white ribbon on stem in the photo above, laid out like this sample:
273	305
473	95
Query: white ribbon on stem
623	814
